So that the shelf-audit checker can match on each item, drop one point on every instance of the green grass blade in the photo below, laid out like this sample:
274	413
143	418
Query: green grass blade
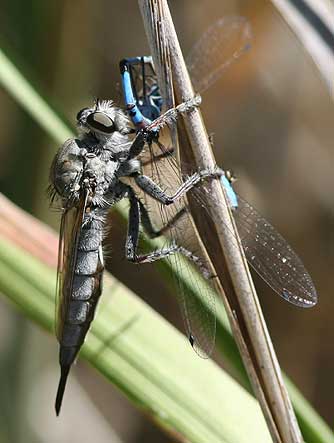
314	429
144	356
25	95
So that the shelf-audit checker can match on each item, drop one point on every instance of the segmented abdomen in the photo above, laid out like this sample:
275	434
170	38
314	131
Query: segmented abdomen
82	287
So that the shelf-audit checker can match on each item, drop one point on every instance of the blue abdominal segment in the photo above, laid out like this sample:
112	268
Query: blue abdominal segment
231	195
141	91
131	103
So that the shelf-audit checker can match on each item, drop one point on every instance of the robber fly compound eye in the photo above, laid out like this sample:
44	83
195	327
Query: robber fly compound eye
101	122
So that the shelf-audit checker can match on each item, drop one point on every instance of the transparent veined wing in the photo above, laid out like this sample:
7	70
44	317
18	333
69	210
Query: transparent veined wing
265	249
272	257
269	253
70	227
217	49
200	322
199	317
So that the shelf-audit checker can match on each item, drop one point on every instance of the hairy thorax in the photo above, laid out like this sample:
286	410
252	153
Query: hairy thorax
80	164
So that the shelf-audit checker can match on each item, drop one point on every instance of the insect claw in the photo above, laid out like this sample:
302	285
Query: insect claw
191	339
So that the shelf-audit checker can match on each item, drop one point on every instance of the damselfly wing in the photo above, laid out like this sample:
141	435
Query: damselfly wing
272	257
266	250
223	43
219	47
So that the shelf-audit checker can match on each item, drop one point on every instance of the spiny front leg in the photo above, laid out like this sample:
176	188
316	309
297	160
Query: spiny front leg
138	211
154	190
151	132
172	114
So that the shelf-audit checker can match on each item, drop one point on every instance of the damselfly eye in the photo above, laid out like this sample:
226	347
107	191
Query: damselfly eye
81	113
231	177
101	122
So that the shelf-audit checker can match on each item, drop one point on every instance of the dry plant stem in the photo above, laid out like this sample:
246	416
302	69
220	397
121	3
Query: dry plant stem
220	236
312	42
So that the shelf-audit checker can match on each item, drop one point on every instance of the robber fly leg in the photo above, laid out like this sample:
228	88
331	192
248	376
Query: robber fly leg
138	144
167	252
139	208
154	190
172	114
139	213
167	152
150	132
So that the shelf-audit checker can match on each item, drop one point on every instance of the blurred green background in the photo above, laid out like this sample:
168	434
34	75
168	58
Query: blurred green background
272	120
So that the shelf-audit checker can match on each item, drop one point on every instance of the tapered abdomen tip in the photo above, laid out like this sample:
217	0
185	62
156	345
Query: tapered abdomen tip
61	387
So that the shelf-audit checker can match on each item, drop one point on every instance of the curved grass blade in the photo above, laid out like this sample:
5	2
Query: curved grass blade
24	94
182	393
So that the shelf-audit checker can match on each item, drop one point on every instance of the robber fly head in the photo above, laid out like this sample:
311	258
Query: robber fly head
103	119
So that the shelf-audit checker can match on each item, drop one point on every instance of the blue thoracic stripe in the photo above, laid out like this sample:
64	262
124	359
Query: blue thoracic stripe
231	195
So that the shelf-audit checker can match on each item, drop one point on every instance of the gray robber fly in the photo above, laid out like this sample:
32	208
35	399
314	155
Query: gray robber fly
86	177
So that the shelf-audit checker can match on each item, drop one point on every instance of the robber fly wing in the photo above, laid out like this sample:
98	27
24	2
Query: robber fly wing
273	258
218	48
199	318
70	227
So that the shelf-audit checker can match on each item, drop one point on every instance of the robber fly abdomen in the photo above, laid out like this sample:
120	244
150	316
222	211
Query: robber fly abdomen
84	287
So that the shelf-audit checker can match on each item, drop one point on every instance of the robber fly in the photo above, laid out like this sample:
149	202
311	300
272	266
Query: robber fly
86	176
